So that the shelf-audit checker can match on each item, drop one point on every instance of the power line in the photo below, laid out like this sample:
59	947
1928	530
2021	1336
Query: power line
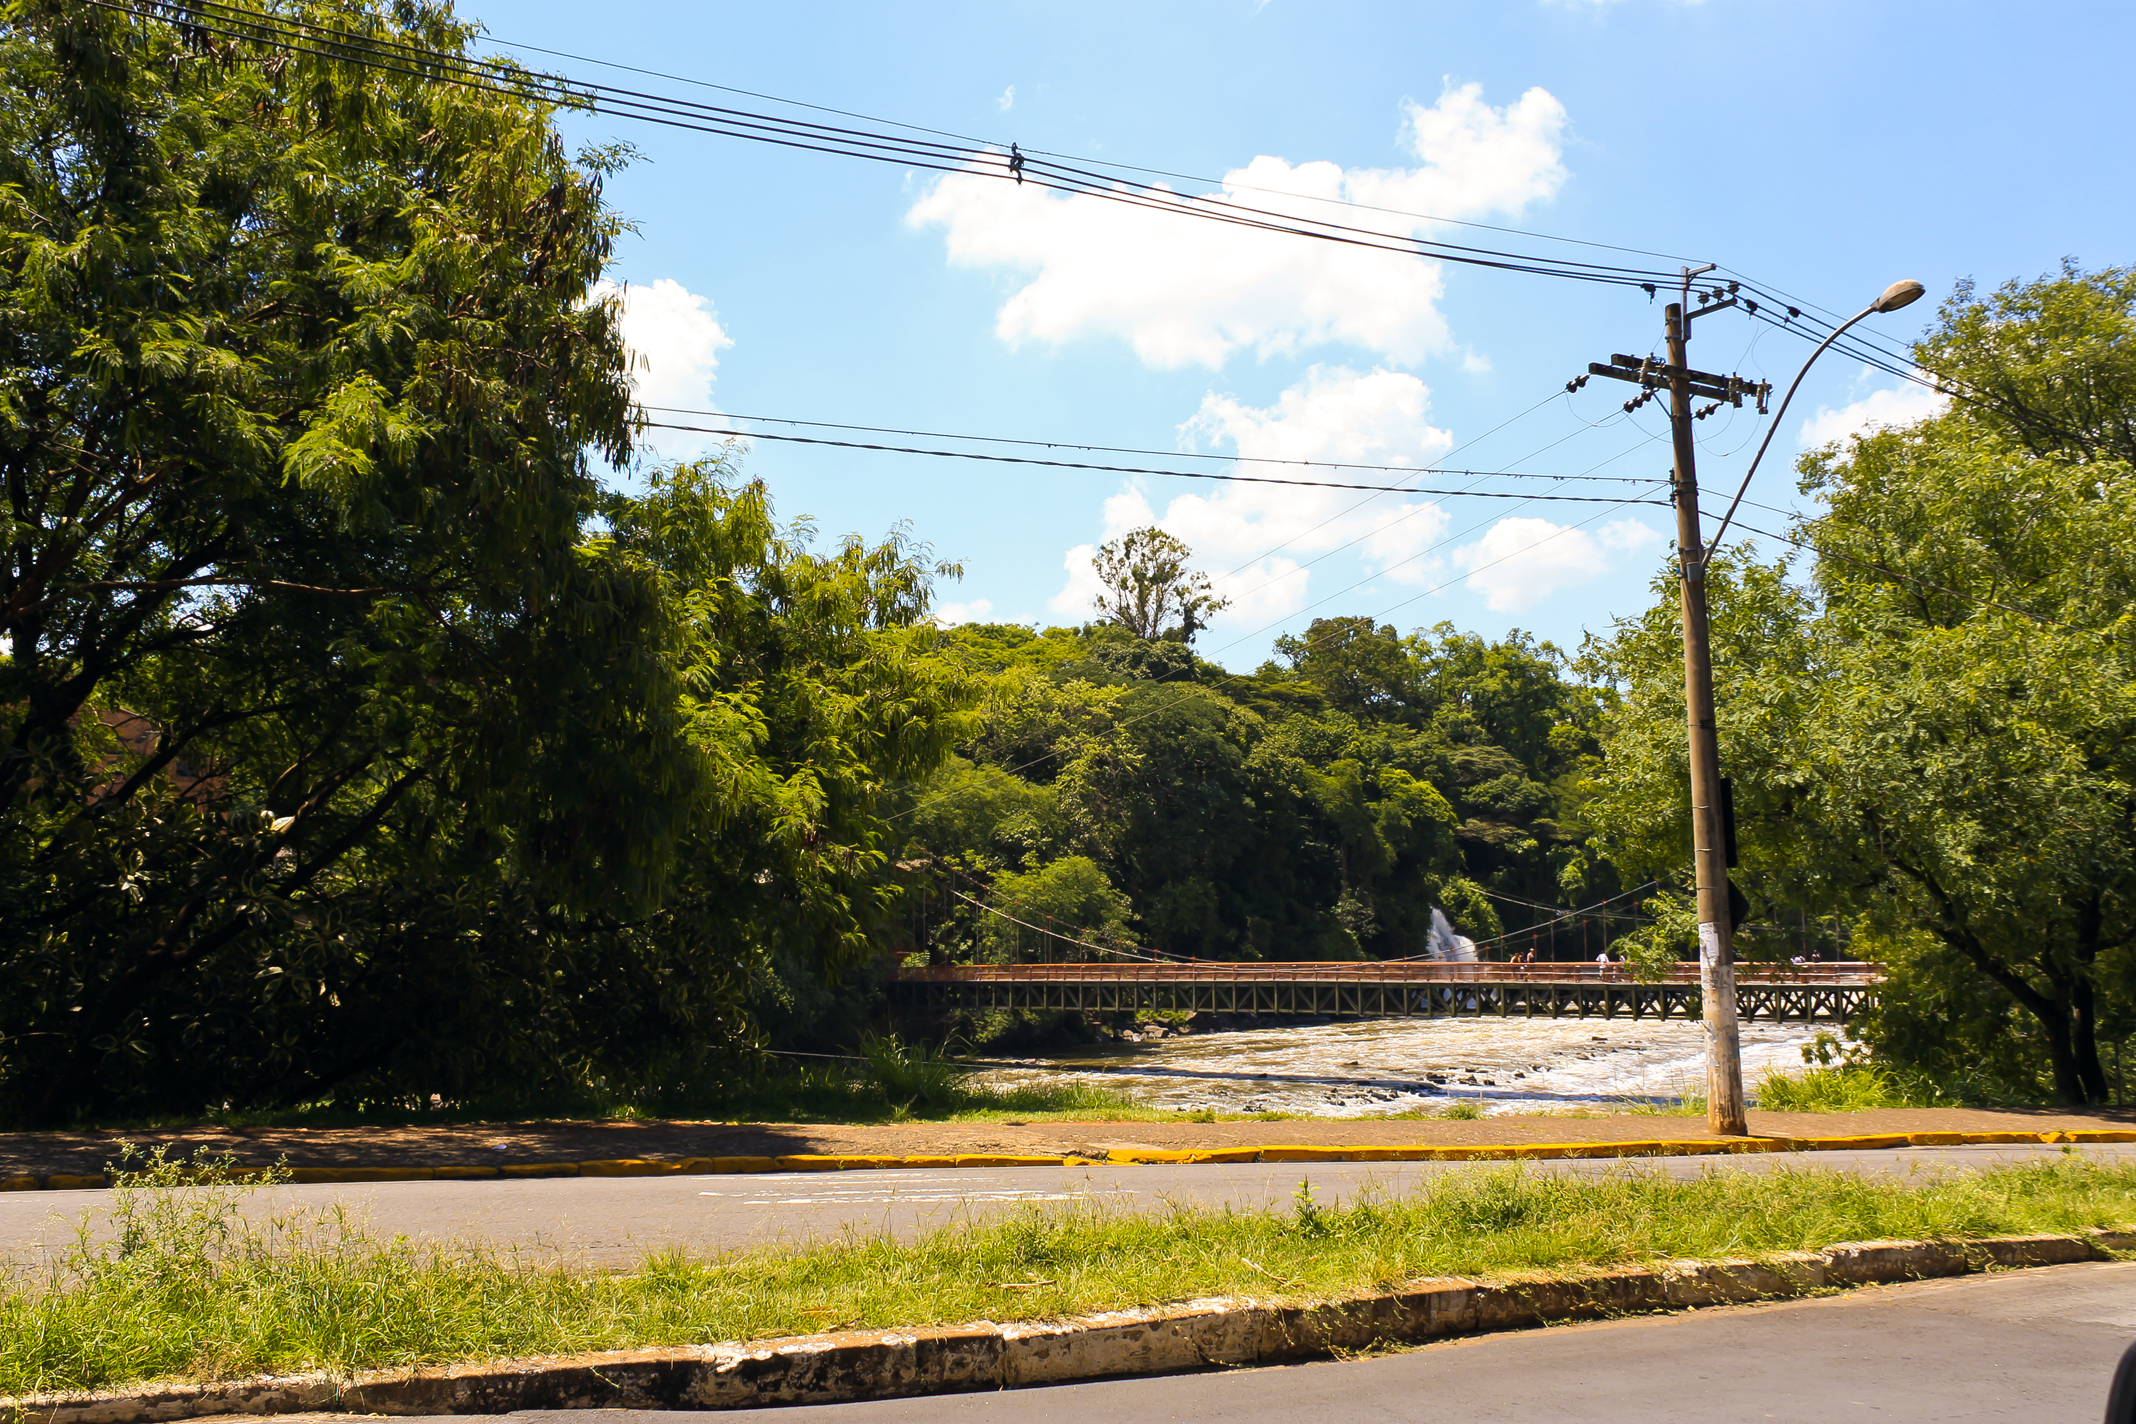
1892	573
392	55
1474	569
1230	678
1360	504
998	144
1562	915
1161	454
1146	470
1420	553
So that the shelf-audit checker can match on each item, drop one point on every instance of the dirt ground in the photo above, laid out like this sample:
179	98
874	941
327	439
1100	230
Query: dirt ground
38	1153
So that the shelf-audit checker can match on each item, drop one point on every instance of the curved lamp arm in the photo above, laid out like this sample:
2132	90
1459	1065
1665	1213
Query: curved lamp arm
1897	295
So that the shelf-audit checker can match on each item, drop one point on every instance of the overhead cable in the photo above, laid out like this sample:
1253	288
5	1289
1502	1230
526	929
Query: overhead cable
393	55
1162	454
1149	470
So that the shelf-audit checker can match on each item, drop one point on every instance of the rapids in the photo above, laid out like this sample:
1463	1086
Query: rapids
1379	1067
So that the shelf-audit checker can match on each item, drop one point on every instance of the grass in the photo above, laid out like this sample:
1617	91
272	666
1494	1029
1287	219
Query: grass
193	1289
1850	1087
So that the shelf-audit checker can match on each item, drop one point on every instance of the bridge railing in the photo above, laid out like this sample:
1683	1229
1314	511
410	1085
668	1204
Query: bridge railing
1839	973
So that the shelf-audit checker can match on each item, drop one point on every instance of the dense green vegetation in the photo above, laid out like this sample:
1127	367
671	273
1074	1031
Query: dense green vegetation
361	743
1930	718
1318	808
355	741
191	1288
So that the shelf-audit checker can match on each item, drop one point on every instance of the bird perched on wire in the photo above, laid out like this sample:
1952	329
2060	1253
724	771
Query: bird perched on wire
1016	164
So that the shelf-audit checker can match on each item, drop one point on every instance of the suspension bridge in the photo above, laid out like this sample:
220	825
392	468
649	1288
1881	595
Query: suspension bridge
1826	991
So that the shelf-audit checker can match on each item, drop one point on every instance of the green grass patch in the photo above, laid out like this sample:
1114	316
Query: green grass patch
1850	1087
193	1289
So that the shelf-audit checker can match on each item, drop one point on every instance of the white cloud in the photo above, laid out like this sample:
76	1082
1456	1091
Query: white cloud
1521	561
1183	291
1007	101
949	615
1902	405
1254	539
675	339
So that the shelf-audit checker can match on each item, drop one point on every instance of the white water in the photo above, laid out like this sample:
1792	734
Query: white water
1377	1067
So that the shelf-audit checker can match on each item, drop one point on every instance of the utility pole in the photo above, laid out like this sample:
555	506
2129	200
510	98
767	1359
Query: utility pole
1711	836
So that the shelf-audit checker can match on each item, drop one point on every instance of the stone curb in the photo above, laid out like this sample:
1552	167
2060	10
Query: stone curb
834	1368
1506	1152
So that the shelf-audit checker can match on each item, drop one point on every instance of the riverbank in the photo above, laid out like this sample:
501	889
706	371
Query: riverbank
505	1144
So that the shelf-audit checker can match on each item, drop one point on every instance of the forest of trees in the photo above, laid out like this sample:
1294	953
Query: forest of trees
360	741
1317	808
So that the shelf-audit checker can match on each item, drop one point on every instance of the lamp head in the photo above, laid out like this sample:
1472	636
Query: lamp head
1897	295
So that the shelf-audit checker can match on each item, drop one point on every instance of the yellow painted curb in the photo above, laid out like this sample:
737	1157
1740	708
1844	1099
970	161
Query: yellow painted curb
628	1167
720	1166
1868	1142
1130	1156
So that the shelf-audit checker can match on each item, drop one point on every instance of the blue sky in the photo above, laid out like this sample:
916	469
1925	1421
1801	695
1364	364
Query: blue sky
1822	149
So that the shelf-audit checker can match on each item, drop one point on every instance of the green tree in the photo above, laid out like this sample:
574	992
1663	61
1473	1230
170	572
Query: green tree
1936	739
353	741
1359	668
1148	588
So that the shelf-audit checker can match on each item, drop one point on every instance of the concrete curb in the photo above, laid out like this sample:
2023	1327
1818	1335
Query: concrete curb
1506	1152
833	1368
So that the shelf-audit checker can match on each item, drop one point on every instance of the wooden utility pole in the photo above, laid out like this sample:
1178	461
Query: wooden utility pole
1710	836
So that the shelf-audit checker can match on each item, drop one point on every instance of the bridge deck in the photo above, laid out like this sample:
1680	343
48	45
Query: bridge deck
1831	991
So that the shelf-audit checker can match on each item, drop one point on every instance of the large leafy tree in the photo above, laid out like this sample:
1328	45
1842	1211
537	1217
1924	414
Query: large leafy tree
1935	738
353	741
300	385
1147	587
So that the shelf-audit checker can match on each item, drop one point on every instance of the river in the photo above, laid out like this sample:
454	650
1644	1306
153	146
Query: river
1379	1067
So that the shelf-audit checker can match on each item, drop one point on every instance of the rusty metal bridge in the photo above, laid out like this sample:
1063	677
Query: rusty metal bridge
1832	992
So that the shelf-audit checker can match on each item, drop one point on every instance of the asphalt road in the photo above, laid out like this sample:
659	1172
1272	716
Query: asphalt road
615	1221
2037	1346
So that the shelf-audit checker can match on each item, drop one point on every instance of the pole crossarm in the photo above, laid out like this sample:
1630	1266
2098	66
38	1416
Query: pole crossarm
1650	374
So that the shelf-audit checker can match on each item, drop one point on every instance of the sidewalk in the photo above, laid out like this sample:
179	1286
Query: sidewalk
490	1146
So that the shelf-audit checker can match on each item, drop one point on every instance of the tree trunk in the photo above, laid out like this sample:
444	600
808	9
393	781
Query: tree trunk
2061	1052
2084	1045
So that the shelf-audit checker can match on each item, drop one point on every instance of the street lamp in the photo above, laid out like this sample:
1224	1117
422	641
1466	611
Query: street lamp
1898	294
1724	1052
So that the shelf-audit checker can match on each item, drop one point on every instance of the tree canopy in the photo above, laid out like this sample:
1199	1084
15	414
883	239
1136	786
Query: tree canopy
353	738
1147	588
1933	738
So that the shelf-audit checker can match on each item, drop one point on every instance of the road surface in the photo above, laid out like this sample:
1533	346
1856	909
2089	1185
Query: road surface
615	1221
2035	1346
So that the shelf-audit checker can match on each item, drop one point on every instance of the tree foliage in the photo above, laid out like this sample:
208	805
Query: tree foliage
353	739
1932	738
1147	588
1316	809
